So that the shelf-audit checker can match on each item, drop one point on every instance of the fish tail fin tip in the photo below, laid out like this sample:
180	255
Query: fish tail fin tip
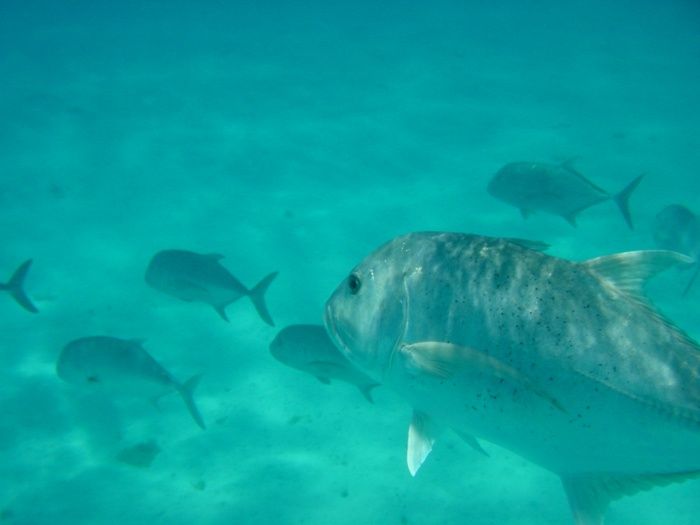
15	286
367	391
257	296
221	310
622	200
187	392
692	279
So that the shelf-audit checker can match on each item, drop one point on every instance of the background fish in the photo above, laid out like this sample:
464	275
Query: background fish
122	367
15	286
564	363
554	188
192	276
677	228
308	348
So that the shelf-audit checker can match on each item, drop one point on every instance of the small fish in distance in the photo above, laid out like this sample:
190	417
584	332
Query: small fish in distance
308	348
557	189
123	368
191	276
677	228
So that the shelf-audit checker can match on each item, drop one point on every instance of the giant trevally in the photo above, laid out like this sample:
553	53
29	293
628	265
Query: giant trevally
308	348
554	188
200	277
121	367
15	286
565	363
677	228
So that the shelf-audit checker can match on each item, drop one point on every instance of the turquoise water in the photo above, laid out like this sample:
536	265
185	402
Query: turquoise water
298	137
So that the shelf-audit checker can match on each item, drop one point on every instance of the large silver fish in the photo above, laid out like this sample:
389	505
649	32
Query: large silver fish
121	367
15	286
308	348
200	277
564	363
554	188
677	228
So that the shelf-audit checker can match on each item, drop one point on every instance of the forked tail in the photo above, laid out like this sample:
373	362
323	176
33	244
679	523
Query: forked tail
16	287
186	390
622	200
257	295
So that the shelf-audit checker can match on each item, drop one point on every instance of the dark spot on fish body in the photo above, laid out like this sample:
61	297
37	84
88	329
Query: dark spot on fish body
93	379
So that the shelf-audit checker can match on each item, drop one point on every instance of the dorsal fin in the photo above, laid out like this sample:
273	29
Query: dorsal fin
568	165
537	246
629	271
590	494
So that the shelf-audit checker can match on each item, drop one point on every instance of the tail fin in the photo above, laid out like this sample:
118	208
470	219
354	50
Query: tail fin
367	391
622	200
16	287
257	295
186	390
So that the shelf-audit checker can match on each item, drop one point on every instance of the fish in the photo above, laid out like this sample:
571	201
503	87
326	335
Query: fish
565	363
677	228
308	348
15	286
140	455
122	367
557	189
200	277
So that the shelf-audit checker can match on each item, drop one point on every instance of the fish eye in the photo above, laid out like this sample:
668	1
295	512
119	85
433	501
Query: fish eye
354	283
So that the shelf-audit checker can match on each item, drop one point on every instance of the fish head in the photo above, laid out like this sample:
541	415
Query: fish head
73	367
367	314
506	184
296	345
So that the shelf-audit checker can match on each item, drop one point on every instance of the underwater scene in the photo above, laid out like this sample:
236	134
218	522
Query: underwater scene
350	262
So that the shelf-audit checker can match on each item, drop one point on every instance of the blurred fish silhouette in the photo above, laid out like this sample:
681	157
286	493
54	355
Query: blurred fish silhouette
192	276
557	189
122	367
677	228
308	348
15	286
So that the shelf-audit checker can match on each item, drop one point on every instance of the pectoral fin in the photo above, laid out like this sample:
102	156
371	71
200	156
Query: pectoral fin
444	360
433	358
421	436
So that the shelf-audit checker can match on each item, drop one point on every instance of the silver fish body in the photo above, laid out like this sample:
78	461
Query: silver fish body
564	363
121	367
200	277
557	189
308	348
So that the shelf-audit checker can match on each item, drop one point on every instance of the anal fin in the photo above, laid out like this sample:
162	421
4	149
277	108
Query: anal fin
590	494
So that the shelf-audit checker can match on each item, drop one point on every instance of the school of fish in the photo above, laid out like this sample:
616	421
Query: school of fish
567	364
